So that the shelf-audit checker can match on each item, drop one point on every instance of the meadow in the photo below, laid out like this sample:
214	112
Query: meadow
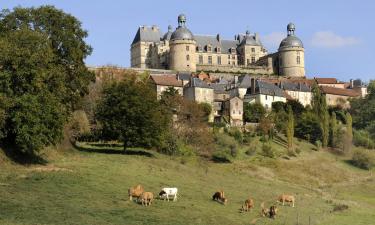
89	186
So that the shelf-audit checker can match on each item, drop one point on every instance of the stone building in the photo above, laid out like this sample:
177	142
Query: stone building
181	50
264	93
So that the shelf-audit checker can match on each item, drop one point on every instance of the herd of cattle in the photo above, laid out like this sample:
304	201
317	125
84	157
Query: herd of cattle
145	198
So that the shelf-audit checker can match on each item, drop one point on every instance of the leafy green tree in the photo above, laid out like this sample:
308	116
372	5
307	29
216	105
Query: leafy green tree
333	131
254	112
325	128
42	75
349	133
308	127
297	107
319	107
290	127
130	112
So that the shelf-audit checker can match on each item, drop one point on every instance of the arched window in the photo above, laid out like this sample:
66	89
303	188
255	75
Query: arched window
187	57
298	60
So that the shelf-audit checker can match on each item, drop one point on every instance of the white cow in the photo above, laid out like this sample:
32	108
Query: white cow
165	193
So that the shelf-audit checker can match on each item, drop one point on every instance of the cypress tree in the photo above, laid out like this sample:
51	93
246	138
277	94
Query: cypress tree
290	127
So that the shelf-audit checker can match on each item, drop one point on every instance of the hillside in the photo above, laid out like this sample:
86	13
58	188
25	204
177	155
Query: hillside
90	187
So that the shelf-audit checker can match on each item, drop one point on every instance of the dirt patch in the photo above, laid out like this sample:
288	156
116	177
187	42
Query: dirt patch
49	168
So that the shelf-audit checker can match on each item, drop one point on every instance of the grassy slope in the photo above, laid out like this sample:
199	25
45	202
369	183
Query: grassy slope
91	188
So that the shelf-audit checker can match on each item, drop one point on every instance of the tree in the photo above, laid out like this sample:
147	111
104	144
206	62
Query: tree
290	127
333	131
42	75
130	112
254	112
308	127
348	133
319	107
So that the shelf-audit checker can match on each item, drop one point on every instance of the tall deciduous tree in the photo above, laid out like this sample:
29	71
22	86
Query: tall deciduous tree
42	75
290	127
254	112
319	106
349	133
130	112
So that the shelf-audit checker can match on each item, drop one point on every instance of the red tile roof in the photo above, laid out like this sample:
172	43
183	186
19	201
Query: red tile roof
326	80
339	91
166	80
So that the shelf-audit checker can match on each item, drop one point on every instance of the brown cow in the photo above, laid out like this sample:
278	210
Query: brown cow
286	198
135	191
249	203
219	197
147	198
271	212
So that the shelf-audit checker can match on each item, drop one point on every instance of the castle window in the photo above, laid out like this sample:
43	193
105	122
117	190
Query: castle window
252	59
187	48
298	60
209	48
200	59
252	49
228	56
210	60
218	49
248	61
219	60
233	57
187	57
233	50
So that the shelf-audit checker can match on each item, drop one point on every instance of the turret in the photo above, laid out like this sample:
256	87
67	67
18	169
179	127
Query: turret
182	48
291	55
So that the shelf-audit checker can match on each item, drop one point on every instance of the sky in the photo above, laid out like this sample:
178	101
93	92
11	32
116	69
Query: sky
338	35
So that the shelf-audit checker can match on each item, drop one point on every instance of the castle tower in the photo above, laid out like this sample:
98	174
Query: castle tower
291	55
182	48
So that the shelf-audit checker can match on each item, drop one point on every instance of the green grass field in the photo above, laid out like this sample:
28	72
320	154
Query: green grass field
87	188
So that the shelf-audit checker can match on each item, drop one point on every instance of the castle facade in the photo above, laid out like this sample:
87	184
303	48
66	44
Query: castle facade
181	50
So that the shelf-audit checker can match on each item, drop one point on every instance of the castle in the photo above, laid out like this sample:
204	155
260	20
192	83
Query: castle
181	50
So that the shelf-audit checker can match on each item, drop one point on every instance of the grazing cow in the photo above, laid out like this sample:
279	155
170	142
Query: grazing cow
249	203
219	197
286	198
166	192
147	198
271	212
135	191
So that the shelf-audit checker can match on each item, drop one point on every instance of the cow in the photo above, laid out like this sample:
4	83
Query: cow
135	191
271	212
249	203
286	198
166	192
219	197
146	198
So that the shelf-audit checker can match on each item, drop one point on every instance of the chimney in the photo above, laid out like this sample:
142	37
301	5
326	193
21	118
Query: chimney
351	83
218	37
252	83
256	37
235	80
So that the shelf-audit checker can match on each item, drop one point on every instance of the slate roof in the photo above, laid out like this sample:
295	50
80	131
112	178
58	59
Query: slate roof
339	91
148	34
196	82
289	86
166	80
244	81
219	88
266	88
225	45
184	76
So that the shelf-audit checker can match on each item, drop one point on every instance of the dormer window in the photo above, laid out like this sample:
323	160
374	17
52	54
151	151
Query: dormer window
233	50
218	49
199	49
209	48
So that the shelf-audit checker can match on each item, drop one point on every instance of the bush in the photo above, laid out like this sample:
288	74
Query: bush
251	151
221	157
268	151
318	145
363	159
363	138
340	207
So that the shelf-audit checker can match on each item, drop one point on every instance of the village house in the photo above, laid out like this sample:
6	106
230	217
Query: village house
233	109
163	82
240	86
264	93
298	91
339	96
329	82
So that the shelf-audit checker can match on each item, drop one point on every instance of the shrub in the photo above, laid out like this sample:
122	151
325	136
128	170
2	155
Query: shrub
268	151
221	157
363	138
340	207
318	145
363	159
251	151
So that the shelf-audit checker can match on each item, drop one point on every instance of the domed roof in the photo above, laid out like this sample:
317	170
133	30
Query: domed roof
250	40
291	40
182	32
167	36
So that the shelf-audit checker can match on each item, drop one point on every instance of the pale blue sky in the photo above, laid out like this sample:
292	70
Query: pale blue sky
338	34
